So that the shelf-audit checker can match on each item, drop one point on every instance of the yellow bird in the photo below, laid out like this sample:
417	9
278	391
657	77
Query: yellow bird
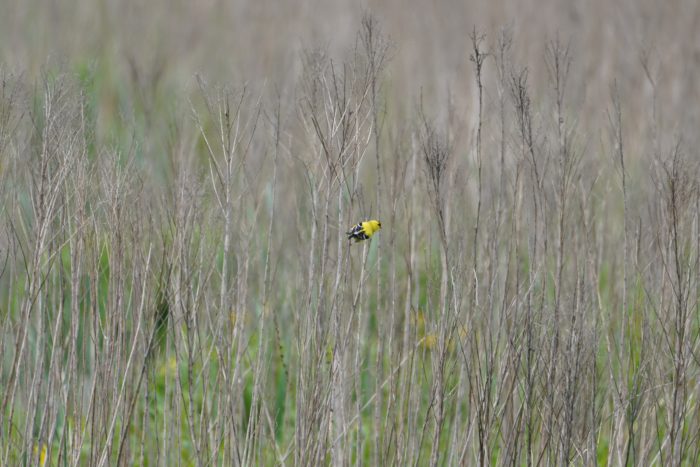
363	230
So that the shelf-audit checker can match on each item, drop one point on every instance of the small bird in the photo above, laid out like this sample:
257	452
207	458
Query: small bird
363	230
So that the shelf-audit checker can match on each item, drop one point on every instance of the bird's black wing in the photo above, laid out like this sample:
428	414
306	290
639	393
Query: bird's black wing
357	233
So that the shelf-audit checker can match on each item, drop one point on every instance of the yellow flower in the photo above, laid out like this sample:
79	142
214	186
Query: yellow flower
42	454
429	341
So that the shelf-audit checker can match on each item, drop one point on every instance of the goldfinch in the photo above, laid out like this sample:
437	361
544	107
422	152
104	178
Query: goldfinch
363	230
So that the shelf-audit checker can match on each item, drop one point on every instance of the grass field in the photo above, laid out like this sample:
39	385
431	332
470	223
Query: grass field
176	179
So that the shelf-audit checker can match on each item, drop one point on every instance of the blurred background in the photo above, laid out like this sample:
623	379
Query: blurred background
153	48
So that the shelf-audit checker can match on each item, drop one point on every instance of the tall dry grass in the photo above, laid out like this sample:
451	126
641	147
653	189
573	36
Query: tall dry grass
176	288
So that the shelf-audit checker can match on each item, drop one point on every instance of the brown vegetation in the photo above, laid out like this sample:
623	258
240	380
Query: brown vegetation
176	285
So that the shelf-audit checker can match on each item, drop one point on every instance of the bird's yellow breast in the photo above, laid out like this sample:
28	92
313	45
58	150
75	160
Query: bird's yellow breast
370	227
